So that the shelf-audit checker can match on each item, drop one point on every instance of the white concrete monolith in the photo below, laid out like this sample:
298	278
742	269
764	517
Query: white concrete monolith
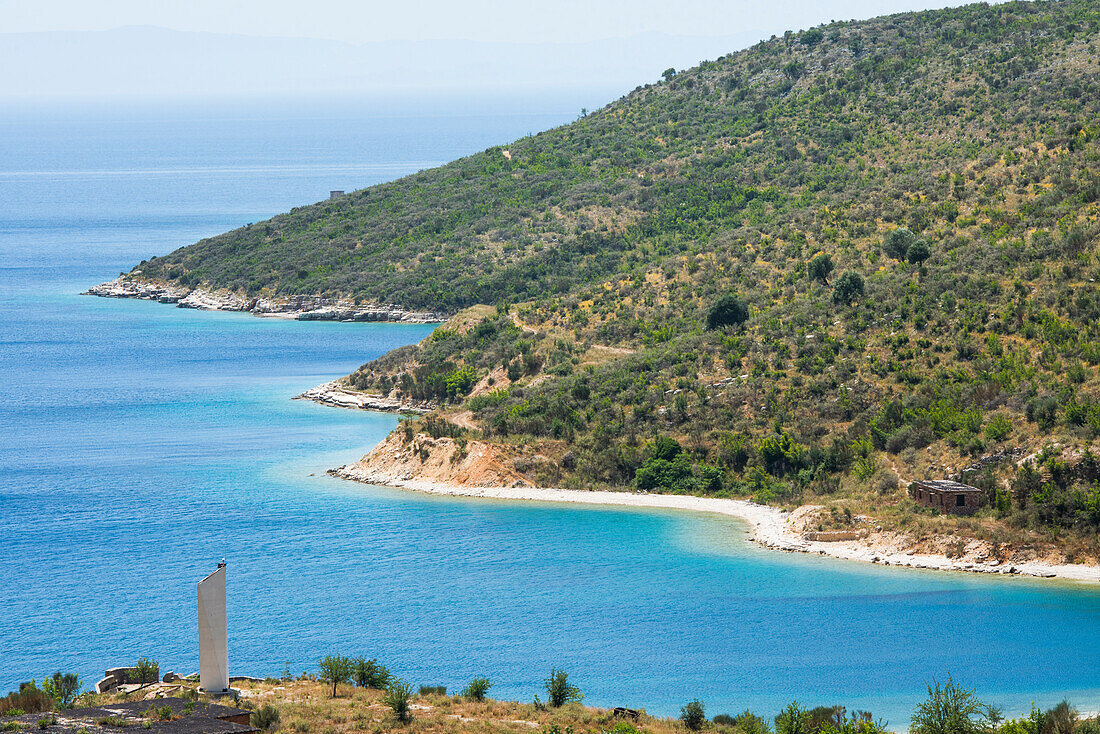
213	642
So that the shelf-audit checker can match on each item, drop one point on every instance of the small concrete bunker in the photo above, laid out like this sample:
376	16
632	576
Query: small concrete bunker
946	496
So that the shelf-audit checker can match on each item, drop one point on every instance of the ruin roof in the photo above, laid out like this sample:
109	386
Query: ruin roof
945	485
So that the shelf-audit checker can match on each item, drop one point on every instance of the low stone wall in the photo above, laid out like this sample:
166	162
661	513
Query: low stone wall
829	536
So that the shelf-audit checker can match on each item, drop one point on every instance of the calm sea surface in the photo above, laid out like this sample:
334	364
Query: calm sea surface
140	444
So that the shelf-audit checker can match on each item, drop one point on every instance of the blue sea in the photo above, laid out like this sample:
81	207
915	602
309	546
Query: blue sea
140	444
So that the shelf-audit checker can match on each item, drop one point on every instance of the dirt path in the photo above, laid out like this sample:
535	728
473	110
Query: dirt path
464	419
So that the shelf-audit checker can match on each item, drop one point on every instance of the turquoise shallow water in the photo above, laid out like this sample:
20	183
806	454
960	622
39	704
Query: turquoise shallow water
143	443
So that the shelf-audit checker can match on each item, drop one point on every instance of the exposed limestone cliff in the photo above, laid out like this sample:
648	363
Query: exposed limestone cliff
402	461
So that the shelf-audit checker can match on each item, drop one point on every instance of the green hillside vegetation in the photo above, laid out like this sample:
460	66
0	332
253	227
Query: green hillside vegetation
796	272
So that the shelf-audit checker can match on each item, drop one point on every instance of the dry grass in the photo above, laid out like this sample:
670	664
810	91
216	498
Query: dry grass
306	707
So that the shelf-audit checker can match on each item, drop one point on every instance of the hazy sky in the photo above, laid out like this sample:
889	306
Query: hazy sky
358	21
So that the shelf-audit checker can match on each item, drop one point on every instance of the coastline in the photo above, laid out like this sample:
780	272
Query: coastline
437	466
298	307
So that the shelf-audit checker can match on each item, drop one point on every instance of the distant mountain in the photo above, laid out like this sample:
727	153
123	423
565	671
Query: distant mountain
135	61
797	272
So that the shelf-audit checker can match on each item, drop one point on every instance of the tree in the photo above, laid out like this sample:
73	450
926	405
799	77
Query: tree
897	243
918	252
727	311
559	691
477	688
793	720
950	709
694	715
336	669
849	286
668	73
819	267
369	674
144	671
398	695
64	687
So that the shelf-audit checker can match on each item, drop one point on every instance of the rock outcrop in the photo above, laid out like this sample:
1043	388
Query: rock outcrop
401	461
339	395
299	307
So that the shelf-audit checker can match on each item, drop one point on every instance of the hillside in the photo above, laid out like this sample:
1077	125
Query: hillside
808	271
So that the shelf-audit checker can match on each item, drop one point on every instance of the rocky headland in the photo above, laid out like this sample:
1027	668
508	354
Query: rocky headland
297	307
338	395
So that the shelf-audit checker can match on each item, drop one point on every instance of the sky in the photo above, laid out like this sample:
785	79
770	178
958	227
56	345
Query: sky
526	21
108	49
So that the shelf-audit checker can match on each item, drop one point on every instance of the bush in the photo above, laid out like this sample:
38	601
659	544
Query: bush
849	286
266	717
64	687
729	310
29	699
559	691
886	483
694	715
998	428
369	674
144	671
918	252
750	723
398	695
477	689
793	720
433	690
819	267
897	243
950	709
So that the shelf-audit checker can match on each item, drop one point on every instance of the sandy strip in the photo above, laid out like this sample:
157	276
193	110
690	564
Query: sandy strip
769	524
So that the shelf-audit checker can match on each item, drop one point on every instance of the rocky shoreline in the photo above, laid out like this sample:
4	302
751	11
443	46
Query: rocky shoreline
337	395
298	308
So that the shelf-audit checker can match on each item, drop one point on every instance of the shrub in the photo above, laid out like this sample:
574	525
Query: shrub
266	717
144	671
918	252
819	267
398	695
666	448
729	310
477	689
886	483
793	720
694	715
64	687
29	699
750	723
369	674
897	243
949	709
849	286
433	690
559	691
998	428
